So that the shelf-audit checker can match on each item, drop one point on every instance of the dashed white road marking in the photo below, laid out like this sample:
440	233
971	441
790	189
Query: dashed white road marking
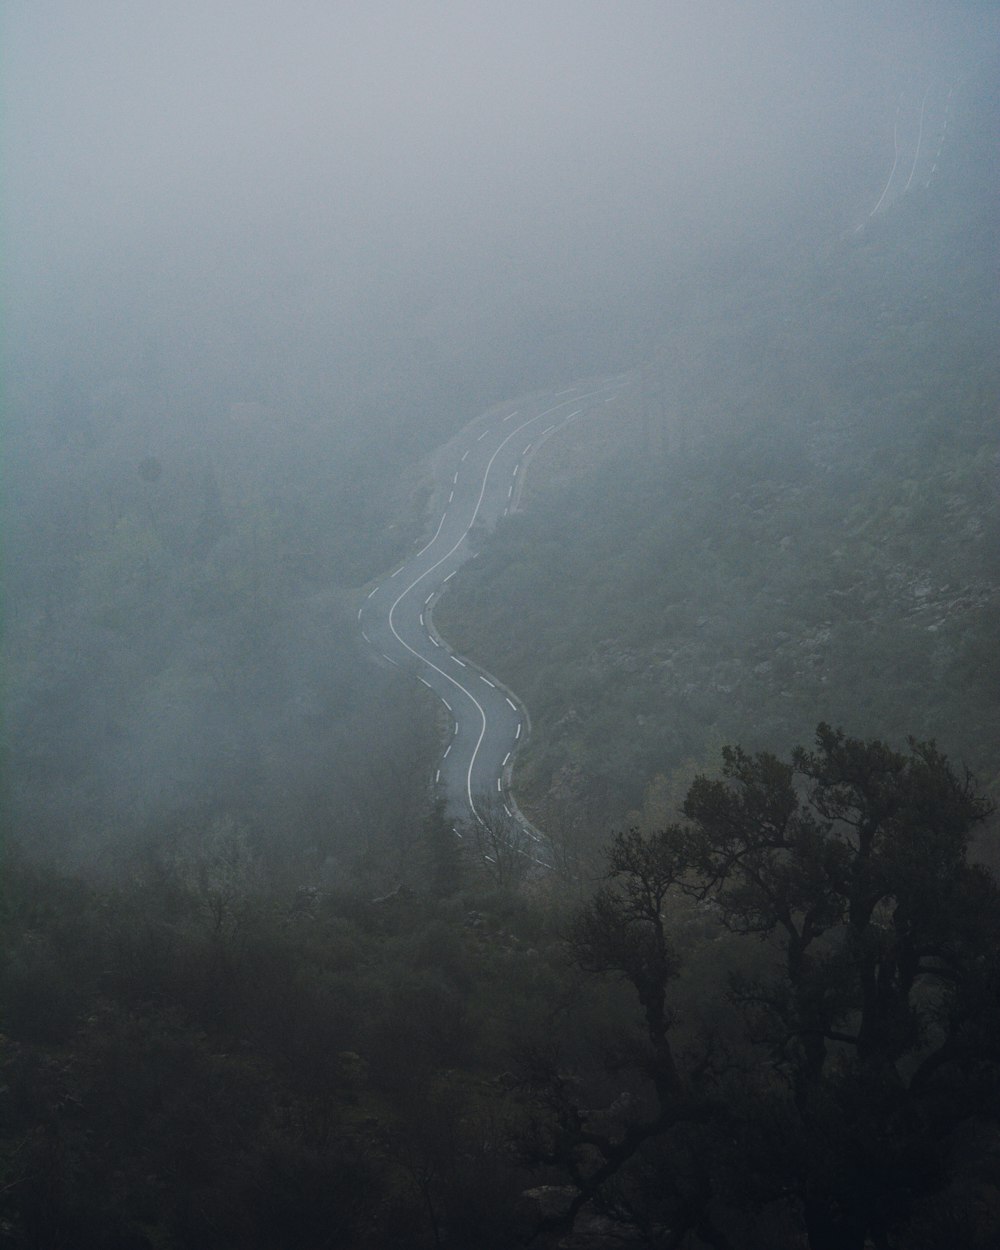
511	415
371	592
518	734
447	751
359	614
434	640
454	479
365	637
516	467
422	620
527	449
436	565
425	681
451	496
446	703
510	492
488	682
499	786
398	571
389	658
506	760
465	453
429	598
437	776
513	705
508	811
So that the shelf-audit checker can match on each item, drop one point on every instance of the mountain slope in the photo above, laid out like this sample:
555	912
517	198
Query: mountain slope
792	519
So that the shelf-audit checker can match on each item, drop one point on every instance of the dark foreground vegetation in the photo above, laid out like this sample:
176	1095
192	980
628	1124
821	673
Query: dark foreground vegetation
776	1024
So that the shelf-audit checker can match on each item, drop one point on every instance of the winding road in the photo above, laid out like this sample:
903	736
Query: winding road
481	470
919	132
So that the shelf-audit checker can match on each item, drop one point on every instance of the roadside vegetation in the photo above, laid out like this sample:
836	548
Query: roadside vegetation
774	1023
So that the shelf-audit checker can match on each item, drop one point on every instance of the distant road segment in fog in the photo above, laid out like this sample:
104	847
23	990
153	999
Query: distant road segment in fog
919	131
482	471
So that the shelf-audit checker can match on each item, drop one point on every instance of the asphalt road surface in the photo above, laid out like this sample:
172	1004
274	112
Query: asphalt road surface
484	468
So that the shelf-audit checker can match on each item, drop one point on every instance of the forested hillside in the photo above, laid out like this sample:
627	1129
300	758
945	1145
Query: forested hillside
729	1044
179	644
269	979
792	515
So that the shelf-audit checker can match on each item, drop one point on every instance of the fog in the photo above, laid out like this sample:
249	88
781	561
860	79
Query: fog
269	256
286	204
500	567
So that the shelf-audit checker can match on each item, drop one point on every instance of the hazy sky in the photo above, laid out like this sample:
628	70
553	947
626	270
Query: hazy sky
254	170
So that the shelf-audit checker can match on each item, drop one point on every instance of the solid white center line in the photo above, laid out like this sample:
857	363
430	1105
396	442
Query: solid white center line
427	572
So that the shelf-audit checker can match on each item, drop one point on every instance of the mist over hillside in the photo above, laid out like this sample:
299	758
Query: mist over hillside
791	514
629	369
254	274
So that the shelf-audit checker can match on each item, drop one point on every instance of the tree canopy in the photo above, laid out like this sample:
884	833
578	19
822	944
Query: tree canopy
875	997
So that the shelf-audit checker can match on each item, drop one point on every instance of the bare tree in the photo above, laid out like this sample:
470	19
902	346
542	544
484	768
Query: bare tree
504	845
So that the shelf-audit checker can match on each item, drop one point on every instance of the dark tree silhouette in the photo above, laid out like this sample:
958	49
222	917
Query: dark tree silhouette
882	1020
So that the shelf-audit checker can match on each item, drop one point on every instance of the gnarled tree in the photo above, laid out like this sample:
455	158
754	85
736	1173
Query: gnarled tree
881	1016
